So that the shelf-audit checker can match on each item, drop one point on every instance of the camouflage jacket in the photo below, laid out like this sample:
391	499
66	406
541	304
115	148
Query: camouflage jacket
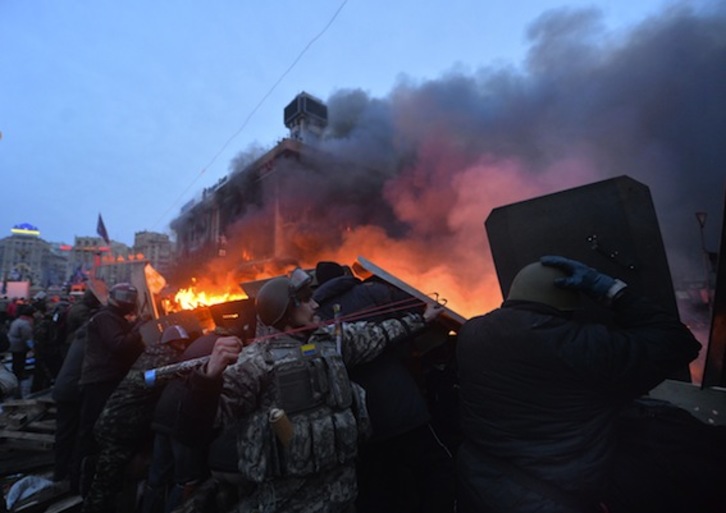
127	415
325	437
245	382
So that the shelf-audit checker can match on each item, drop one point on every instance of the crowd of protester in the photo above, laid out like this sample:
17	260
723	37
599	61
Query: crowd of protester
313	397
33	336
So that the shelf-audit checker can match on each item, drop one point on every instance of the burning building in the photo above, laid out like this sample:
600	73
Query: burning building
408	180
276	210
204	228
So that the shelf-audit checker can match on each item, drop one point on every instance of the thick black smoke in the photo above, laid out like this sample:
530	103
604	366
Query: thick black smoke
427	164
650	104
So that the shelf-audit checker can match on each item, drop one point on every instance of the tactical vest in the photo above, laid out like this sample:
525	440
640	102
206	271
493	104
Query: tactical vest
327	412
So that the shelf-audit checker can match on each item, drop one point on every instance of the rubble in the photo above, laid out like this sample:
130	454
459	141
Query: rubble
27	428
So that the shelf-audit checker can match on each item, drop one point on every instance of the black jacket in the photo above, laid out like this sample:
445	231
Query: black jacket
394	399
541	391
66	387
79	313
113	346
370	300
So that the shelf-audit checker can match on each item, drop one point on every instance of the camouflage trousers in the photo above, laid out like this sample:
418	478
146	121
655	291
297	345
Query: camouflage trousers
333	491
109	478
220	494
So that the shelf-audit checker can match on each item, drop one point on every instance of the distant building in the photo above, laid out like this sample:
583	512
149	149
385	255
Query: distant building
56	268
84	254
157	248
91	255
24	256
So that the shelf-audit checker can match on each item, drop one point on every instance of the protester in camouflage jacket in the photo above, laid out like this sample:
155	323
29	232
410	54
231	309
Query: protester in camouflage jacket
303	374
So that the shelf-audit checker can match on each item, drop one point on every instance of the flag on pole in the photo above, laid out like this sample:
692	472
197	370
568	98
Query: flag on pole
101	230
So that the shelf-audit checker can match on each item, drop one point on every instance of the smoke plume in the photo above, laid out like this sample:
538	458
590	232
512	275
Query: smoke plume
418	172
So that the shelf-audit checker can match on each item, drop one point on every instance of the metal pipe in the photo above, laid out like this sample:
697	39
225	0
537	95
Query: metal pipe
166	373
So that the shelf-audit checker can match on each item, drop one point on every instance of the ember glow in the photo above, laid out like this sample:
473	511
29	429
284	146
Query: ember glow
429	270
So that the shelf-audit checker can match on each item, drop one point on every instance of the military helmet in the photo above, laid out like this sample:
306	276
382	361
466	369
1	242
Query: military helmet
536	282
173	333
278	294
123	296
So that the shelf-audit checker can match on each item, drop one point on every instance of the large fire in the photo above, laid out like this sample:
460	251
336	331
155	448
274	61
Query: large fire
196	296
189	299
437	281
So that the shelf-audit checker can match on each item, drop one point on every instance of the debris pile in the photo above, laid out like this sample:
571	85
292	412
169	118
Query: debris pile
27	428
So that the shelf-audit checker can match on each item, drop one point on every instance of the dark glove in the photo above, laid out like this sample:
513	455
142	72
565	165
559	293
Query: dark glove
592	282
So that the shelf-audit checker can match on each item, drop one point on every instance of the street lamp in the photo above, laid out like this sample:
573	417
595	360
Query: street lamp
701	218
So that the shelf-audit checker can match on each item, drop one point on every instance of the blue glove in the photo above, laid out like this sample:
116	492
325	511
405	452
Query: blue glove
597	285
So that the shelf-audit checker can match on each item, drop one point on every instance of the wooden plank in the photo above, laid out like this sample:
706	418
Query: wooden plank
448	317
19	403
42	425
43	438
68	504
18	419
47	400
147	305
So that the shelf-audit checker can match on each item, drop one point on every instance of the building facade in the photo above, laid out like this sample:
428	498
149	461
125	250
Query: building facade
210	227
157	248
24	256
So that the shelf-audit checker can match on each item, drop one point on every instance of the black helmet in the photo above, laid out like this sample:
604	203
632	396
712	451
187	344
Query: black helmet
536	282
173	333
123	296
278	294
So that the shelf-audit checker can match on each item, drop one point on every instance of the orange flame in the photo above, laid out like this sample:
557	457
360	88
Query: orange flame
191	298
